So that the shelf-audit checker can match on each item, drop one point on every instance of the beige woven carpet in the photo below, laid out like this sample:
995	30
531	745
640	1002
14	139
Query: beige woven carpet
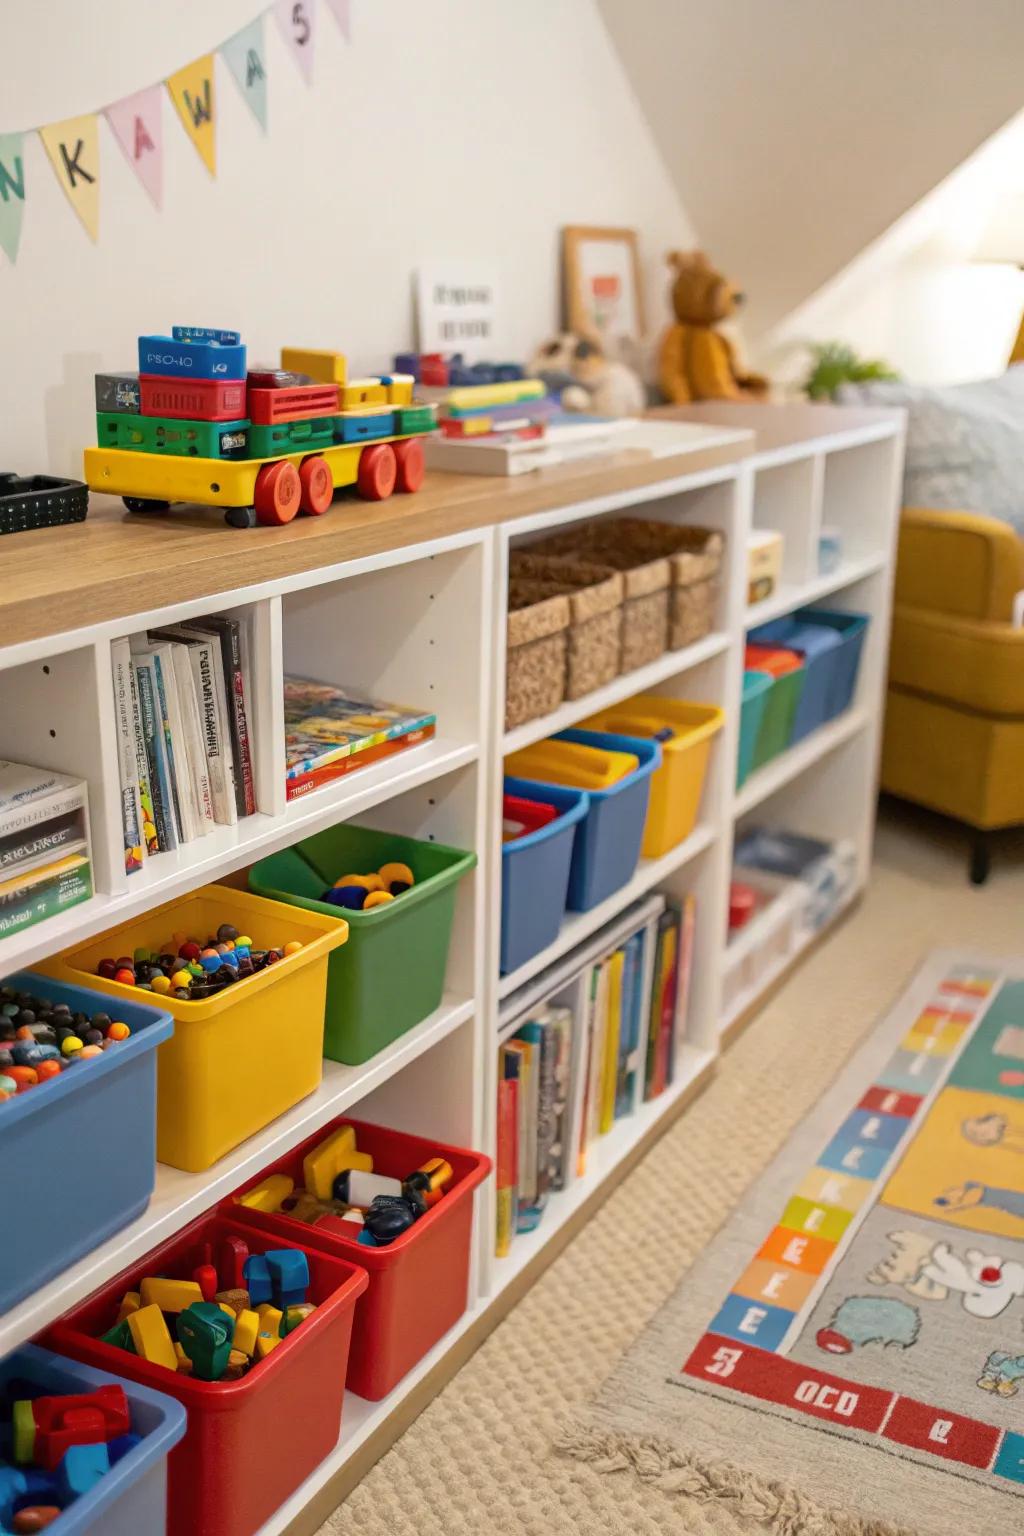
482	1457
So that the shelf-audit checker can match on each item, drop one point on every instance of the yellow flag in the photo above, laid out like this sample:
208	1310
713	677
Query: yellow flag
74	150
194	95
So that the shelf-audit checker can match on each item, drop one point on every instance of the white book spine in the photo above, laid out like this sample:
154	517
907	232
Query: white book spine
204	675
193	737
127	765
182	794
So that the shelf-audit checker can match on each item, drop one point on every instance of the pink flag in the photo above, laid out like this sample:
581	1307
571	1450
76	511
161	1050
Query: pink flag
297	21
138	128
342	15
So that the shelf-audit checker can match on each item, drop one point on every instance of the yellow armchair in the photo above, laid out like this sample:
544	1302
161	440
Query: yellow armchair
954	728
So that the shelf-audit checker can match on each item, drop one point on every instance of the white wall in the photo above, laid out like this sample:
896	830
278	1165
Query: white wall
448	129
915	297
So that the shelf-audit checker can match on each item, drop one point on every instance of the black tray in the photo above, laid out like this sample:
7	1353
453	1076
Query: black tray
40	501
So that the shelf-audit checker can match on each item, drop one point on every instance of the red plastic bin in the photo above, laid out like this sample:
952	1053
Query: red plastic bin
249	1443
521	817
419	1283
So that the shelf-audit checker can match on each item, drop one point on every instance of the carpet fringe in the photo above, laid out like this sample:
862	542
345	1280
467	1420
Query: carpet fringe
774	1506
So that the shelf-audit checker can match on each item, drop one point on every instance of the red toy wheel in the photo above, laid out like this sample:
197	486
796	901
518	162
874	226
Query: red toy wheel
377	472
278	493
317	485
412	465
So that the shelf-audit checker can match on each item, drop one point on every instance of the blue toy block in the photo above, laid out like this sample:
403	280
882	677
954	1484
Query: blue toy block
80	1468
256	1274
289	1272
188	359
357	429
119	1448
203	333
408	362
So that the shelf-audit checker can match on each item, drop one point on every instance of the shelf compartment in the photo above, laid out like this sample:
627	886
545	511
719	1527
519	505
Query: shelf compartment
793	595
788	765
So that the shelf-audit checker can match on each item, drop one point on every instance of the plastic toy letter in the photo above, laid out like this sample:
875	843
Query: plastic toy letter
12	192
74	150
245	56
297	21
138	128
195	99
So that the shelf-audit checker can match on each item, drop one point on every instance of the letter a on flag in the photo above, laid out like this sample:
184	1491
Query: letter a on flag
192	91
138	128
246	58
12	192
74	150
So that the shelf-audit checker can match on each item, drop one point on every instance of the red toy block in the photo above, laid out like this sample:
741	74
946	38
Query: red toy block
192	399
433	369
85	1418
205	1276
267	407
233	1253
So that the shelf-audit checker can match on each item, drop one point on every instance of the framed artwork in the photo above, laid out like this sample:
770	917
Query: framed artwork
601	278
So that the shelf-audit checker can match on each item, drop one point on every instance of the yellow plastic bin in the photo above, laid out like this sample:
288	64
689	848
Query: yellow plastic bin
238	1059
572	764
686	732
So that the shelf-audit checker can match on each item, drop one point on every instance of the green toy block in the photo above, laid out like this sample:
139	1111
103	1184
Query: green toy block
120	1336
415	418
182	439
289	436
204	1333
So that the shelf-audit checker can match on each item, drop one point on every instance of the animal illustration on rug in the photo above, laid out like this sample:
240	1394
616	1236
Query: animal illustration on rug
861	1320
1002	1373
967	1197
987	1283
904	1267
993	1130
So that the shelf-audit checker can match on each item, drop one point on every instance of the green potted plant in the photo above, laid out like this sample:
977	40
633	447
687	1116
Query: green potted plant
834	363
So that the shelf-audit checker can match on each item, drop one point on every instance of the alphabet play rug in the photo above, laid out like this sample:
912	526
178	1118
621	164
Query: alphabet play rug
848	1354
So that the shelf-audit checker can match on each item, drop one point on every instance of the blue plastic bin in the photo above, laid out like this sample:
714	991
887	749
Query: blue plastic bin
130	1499
755	696
79	1151
607	846
851	628
535	873
818	645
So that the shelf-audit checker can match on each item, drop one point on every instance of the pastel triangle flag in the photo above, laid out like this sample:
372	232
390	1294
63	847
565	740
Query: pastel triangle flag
342	10
138	127
74	150
12	192
297	21
195	99
246	58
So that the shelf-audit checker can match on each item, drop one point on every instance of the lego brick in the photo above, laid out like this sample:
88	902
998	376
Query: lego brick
192	399
362	392
323	367
290	437
117	392
169	1295
359	428
415	418
269	406
170	435
185	358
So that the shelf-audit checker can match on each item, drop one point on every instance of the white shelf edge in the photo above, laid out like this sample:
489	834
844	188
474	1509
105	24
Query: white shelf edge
179	1197
749	996
828	442
796	760
226	849
799	594
360	1418
577	926
625	686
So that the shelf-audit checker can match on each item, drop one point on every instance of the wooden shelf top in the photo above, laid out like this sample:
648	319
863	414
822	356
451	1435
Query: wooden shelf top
786	424
117	564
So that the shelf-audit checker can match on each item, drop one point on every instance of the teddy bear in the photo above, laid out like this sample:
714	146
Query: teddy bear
586	379
697	362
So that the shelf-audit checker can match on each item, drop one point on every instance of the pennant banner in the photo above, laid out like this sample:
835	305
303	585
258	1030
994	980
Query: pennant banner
245	57
343	16
138	127
195	100
74	150
12	192
297	21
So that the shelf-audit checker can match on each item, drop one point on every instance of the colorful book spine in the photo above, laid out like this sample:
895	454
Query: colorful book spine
131	808
153	736
687	930
632	1004
615	966
507	1160
541	1035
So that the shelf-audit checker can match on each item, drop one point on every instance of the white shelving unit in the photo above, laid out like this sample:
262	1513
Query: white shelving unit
425	623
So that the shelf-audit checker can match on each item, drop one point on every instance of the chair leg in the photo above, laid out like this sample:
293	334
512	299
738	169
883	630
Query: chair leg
981	857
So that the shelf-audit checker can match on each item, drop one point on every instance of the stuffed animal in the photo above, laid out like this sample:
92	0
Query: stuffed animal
588	381
697	362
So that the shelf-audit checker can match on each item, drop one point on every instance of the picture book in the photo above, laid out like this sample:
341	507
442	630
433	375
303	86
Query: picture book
324	724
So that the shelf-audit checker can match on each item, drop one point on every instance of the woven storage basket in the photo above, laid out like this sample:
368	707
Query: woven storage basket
595	607
538	642
645	587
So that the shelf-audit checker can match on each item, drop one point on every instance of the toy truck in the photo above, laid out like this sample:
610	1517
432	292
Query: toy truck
193	426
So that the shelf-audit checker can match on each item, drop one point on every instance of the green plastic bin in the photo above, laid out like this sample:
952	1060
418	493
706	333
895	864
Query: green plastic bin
788	673
755	694
392	975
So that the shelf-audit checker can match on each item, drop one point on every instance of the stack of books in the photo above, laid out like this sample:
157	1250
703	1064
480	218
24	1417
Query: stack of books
670	990
533	1099
330	731
44	845
182	700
